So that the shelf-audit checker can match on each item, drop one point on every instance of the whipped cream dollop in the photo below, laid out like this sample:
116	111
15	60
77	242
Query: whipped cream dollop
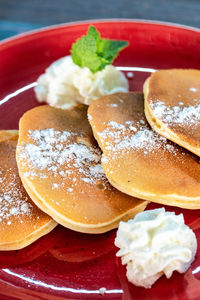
154	243
64	84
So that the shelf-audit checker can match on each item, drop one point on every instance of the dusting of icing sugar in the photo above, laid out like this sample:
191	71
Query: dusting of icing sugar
114	105
55	185
188	115
12	200
133	135
89	117
50	150
104	159
193	89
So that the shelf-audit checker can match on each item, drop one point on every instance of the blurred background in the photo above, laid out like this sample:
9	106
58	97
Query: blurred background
18	16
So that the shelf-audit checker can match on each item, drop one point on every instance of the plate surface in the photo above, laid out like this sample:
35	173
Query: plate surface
65	264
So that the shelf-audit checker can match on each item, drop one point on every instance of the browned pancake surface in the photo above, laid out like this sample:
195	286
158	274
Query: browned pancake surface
21	221
60	166
172	106
137	160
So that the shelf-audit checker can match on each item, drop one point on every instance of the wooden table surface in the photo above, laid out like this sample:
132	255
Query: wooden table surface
21	15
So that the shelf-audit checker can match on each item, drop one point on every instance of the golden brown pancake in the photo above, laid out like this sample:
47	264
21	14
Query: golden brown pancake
60	166
137	160
21	222
172	106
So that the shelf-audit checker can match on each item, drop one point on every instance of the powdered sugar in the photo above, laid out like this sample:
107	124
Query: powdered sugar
144	138
59	153
193	89
133	135
89	117
12	201
179	114
55	185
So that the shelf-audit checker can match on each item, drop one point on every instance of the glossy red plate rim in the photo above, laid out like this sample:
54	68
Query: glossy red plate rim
88	21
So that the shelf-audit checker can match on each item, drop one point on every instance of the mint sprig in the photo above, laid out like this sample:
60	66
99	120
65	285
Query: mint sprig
95	53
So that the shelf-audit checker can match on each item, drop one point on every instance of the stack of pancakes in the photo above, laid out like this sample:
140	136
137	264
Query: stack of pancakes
89	168
140	142
59	164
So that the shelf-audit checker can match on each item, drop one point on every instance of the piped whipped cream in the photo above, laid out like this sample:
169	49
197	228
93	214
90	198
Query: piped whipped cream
64	84
153	244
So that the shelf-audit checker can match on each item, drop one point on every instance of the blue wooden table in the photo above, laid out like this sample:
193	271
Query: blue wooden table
17	16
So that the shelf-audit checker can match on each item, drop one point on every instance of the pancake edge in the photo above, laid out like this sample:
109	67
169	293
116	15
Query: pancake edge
77	226
20	244
181	201
159	127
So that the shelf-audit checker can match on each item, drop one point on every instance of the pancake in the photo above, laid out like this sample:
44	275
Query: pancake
172	106
59	163
137	160
21	222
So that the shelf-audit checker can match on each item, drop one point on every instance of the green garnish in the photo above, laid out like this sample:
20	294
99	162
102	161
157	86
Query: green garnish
95	53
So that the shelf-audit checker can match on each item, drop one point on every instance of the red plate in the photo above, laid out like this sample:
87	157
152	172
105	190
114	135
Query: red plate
65	264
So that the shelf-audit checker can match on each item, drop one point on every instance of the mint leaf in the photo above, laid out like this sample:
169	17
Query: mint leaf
94	33
95	53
